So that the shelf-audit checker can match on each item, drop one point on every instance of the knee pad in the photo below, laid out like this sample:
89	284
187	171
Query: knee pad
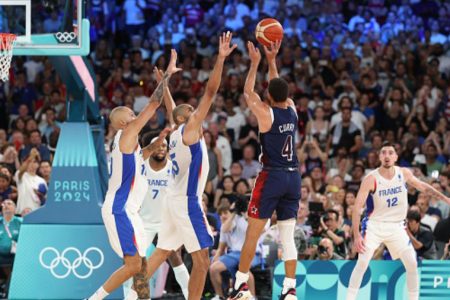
286	229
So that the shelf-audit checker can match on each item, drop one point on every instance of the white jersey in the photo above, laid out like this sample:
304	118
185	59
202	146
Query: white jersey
127	184
389	201
156	194
190	166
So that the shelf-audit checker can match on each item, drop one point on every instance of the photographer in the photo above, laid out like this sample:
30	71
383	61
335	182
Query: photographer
232	236
329	226
421	237
325	250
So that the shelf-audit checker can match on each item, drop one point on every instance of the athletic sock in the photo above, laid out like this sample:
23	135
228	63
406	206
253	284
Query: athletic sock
99	294
240	279
288	283
182	277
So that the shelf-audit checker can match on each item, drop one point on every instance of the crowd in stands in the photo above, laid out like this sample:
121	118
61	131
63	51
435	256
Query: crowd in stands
359	75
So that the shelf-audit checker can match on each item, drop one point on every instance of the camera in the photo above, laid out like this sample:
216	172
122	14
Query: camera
322	249
240	205
315	212
326	217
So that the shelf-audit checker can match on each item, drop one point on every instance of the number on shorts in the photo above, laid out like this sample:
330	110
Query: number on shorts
392	202
287	148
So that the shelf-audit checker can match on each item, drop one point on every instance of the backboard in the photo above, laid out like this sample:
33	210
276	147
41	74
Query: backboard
46	27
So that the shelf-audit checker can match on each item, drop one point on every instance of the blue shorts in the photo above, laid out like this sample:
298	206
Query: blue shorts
231	261
275	190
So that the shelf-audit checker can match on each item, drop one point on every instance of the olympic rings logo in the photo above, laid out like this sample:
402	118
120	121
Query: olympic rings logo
65	37
62	264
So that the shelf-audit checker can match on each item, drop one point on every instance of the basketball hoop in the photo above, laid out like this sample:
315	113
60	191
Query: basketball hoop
7	41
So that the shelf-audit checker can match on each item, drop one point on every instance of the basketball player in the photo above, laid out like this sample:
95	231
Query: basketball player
183	221
126	189
158	169
277	186
384	191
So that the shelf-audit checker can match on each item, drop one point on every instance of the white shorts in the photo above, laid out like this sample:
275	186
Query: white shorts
126	233
393	235
151	232
183	222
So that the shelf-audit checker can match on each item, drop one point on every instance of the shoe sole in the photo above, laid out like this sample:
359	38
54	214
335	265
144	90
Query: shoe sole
244	295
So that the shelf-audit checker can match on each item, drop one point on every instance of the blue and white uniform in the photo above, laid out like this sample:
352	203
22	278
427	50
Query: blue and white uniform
386	210
183	219
152	206
127	187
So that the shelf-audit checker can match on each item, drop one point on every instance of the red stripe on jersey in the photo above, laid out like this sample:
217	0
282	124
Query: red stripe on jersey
253	207
132	184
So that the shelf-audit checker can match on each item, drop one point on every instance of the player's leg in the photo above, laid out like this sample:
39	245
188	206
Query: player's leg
132	265
264	200
122	237
287	216
180	271
215	274
372	242
199	271
196	235
251	284
409	260
399	245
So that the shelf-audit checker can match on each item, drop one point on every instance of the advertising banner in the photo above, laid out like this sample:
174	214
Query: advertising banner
384	280
62	262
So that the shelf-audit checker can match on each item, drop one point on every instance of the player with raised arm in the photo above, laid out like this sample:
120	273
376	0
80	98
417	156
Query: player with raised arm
126	189
158	169
277	187
183	219
386	197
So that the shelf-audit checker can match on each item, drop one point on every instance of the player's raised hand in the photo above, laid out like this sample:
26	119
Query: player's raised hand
159	74
224	44
172	67
272	50
253	53
359	244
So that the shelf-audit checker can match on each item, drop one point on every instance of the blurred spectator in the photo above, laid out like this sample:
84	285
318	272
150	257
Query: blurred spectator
35	142
45	170
325	250
31	187
250	166
7	190
330	229
9	234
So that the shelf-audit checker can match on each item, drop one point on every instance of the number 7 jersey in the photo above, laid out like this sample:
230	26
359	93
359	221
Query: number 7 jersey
389	201
278	144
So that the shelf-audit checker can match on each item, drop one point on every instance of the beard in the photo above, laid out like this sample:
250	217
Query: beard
158	158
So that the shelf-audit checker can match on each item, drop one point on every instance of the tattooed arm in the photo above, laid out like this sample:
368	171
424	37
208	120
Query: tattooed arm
423	186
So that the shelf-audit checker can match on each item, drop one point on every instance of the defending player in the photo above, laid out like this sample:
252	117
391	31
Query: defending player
126	189
183	220
158	172
384	191
277	186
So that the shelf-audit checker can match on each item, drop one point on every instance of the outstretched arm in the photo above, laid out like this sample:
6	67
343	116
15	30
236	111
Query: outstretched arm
192	130
159	74
423	186
150	148
271	55
254	103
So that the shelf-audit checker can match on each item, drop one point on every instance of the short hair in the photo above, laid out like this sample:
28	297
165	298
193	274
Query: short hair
179	111
332	211
6	177
223	208
388	144
278	89
413	215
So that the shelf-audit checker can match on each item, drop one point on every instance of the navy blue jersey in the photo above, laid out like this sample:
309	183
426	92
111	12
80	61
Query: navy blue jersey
278	144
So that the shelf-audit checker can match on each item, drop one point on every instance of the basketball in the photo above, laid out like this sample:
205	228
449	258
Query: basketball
268	30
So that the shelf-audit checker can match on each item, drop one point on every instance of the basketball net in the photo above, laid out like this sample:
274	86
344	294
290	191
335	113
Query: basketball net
7	41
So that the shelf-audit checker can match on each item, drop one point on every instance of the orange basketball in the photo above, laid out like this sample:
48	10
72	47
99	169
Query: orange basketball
268	30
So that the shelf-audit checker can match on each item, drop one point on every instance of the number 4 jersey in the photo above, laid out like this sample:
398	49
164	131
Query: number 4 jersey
389	201
278	144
